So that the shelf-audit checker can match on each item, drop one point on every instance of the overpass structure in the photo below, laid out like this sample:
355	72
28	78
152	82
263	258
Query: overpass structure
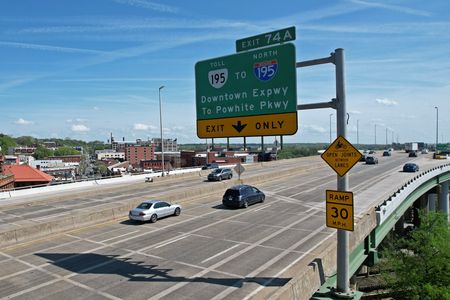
79	244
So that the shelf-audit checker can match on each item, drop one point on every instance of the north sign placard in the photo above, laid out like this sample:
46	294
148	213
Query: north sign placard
339	210
251	93
341	156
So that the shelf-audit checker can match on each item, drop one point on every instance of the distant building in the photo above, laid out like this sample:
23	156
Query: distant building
50	145
66	158
156	164
136	152
6	181
11	160
24	150
109	154
25	175
170	145
172	157
186	158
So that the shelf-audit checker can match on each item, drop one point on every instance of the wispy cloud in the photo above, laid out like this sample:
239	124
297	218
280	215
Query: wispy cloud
50	48
402	9
144	127
313	129
149	5
21	121
80	128
386	102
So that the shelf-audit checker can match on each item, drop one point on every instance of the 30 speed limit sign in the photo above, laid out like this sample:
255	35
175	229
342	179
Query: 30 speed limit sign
339	210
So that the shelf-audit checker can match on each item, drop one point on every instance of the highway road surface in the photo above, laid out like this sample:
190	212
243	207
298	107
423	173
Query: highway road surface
208	252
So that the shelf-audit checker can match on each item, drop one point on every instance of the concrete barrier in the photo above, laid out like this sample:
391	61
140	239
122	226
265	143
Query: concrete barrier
115	211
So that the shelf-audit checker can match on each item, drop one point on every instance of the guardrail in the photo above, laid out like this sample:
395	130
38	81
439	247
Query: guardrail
385	210
32	190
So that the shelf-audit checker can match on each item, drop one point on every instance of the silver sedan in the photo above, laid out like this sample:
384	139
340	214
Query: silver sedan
152	210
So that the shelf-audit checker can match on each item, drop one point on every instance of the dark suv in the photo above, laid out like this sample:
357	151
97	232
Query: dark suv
219	174
371	160
412	154
242	196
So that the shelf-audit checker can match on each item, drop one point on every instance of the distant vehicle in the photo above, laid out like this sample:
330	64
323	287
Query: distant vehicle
387	153
391	149
242	196
219	174
371	160
410	167
210	166
425	151
411	147
363	157
153	210
412	154
440	156
372	152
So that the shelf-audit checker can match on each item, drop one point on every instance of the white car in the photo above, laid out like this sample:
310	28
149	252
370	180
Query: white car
152	210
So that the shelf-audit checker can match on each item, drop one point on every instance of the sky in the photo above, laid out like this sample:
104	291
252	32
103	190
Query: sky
85	69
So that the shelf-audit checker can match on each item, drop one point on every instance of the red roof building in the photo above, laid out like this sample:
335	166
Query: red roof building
24	175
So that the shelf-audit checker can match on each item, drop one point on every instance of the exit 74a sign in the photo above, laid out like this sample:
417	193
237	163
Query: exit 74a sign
251	93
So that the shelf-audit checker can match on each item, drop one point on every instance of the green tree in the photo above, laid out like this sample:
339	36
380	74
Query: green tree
42	152
418	266
5	143
66	151
26	141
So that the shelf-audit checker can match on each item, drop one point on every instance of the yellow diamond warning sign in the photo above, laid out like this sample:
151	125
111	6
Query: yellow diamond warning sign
341	156
339	210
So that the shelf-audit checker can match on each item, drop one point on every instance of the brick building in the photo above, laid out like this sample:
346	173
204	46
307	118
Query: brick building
137	152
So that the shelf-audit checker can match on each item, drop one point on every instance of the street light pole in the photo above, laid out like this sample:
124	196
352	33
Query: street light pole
386	136
437	127
161	130
330	127
375	134
357	132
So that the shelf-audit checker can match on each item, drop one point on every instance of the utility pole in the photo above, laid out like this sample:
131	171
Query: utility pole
357	132
375	134
161	131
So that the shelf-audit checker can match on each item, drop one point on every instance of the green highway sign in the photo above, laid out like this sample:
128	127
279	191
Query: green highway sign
266	39
261	82
441	147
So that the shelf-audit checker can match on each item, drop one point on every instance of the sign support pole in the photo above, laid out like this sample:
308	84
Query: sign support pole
339	104
342	182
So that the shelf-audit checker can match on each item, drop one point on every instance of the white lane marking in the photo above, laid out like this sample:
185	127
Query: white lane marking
171	241
219	254
266	265
228	259
264	284
262	207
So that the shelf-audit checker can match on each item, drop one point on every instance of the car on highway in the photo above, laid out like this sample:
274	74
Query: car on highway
424	151
210	166
387	153
372	152
412	154
219	174
242	196
410	167
152	210
371	160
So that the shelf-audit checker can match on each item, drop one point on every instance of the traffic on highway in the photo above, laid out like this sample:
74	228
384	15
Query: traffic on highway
208	252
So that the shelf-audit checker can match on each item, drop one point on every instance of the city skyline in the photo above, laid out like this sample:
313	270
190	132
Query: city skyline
83	70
